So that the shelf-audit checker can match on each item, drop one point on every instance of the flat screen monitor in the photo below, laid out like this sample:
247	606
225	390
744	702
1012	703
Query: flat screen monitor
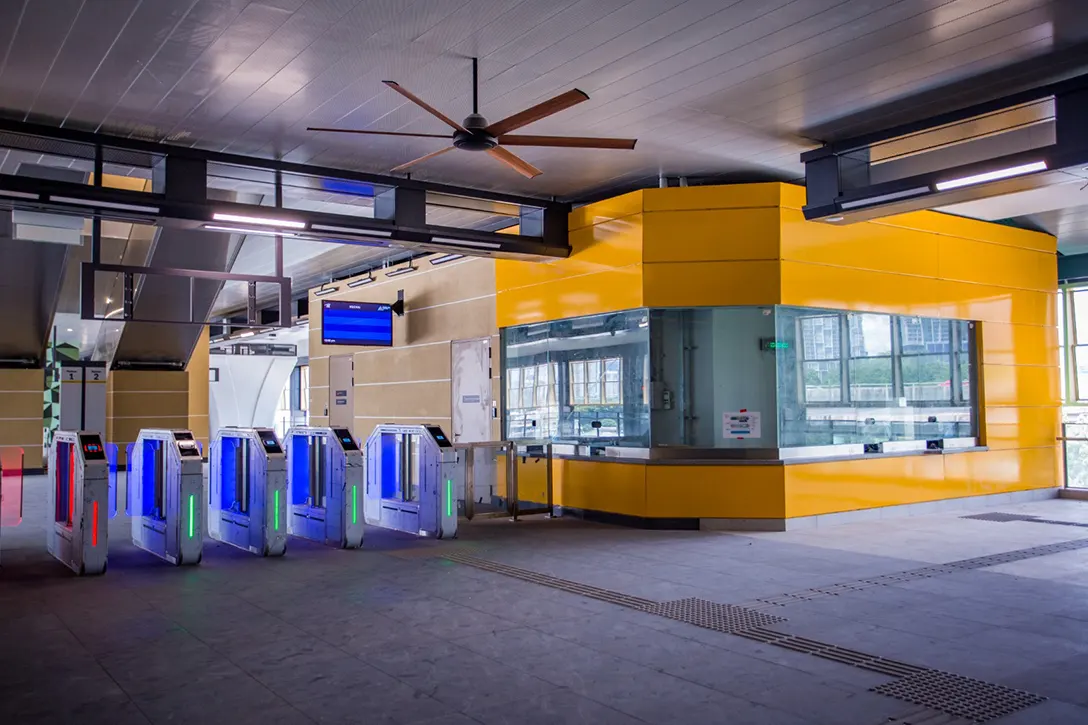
356	323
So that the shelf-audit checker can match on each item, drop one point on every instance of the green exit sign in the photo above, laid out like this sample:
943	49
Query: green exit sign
772	345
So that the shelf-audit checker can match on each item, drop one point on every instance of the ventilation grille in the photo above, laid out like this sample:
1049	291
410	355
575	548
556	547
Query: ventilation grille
958	695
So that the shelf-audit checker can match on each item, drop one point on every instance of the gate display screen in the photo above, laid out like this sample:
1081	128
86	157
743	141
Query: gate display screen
356	323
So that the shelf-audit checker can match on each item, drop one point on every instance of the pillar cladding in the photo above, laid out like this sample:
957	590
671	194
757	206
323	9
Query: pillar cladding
21	418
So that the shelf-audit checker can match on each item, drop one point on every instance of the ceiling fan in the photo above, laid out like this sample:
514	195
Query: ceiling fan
476	134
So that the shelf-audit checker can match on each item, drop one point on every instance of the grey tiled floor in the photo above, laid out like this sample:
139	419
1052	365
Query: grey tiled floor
395	634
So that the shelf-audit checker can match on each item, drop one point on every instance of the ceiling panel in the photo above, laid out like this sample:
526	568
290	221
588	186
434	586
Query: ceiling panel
716	88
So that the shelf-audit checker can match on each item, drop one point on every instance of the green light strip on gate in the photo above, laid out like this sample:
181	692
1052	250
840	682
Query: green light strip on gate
449	497
192	510
354	505
276	520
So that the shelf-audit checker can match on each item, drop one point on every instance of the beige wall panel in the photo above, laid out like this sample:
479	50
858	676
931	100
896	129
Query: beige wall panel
406	400
397	364
127	404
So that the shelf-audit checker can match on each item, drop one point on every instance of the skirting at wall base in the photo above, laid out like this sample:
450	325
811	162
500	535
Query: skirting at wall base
970	503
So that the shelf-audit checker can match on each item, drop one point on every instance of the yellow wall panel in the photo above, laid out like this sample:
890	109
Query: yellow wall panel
606	210
680	284
533	479
989	472
862	246
1020	385
965	260
715	492
966	301
1022	427
956	226
727	196
834	486
614	487
591	294
813	285
710	235
1005	344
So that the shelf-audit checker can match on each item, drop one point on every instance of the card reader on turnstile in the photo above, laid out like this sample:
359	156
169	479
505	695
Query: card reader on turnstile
247	490
325	486
411	475
166	495
78	495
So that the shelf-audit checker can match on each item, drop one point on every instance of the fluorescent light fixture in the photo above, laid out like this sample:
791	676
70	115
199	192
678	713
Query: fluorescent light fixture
325	291
104	204
360	282
242	230
835	218
247	333
883	198
446	258
465	243
399	272
113	312
19	195
991	176
242	219
352	230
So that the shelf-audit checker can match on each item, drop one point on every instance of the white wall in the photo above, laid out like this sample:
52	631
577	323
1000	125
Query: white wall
248	390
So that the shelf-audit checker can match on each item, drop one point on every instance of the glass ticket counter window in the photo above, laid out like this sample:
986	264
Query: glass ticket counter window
581	381
764	382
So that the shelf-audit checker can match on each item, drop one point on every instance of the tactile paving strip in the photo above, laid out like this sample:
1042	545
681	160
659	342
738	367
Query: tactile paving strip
981	562
712	615
585	590
960	696
863	660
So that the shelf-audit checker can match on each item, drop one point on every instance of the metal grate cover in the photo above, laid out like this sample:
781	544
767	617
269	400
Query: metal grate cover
585	590
958	695
726	618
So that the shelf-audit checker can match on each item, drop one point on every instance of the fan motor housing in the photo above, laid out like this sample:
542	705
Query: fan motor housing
474	140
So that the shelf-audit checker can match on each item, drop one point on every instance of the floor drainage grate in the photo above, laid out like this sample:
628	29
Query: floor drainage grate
999	517
726	618
958	695
585	590
873	663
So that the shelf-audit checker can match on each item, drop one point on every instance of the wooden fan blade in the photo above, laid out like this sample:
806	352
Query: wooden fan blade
574	142
541	110
516	163
413	162
379	133
424	105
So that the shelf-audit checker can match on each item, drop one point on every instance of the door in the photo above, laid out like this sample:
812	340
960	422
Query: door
471	387
341	392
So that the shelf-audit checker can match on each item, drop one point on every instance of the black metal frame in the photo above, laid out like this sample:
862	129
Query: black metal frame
833	171
182	174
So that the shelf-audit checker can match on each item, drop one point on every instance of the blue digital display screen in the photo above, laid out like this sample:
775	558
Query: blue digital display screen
356	323
270	443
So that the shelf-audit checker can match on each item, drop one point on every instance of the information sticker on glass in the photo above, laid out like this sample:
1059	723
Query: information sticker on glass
740	424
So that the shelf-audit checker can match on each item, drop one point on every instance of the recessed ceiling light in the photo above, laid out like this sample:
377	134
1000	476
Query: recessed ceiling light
108	300
70	329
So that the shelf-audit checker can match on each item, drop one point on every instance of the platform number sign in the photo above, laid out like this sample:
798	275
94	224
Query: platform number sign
70	375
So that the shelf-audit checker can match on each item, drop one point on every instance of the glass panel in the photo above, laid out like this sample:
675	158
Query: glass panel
1080	355
529	377
871	380
707	362
820	337
903	393
582	350
823	382
1061	343
513	399
513	378
927	378
1080	317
